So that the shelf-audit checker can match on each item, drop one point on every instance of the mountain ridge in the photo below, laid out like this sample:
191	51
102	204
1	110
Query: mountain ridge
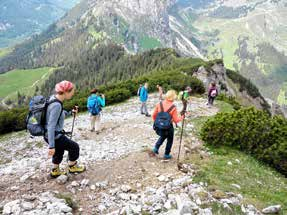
191	27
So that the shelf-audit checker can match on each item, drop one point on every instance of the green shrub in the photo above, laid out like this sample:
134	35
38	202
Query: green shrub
252	131
117	95
230	100
12	120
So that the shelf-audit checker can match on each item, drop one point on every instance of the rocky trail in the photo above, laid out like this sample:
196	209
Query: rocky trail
121	177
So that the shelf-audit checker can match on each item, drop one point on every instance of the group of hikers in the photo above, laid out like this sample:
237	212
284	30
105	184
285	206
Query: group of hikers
164	115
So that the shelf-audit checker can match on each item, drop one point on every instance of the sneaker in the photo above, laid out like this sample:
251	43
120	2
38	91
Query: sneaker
147	115
56	172
77	168
142	113
167	157
155	151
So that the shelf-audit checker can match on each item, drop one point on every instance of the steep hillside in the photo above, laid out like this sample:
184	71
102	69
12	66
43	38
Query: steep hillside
20	19
137	25
248	35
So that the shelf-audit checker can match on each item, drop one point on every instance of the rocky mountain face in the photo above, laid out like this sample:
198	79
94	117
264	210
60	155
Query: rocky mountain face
225	85
19	19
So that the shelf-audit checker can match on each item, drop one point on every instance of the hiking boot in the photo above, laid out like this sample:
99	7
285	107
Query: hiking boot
56	172
155	151
77	168
167	157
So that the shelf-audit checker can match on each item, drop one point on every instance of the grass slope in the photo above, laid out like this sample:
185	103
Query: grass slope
260	184
21	80
4	52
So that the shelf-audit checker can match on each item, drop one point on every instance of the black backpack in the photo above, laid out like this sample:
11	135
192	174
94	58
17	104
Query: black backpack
163	119
36	118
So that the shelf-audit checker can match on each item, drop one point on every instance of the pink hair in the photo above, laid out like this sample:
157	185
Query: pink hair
64	86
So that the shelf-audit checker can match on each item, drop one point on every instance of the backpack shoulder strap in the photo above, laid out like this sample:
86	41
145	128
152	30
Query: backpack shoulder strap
170	109
54	101
161	107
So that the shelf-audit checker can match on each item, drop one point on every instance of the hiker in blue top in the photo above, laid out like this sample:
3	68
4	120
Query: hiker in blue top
95	104
143	99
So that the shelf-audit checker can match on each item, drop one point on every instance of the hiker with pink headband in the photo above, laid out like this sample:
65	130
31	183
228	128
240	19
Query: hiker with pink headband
55	135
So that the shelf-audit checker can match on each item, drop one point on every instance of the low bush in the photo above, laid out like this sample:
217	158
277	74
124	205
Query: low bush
252	131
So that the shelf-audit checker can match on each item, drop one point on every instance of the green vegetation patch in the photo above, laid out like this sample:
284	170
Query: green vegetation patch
252	131
18	80
4	52
149	43
259	184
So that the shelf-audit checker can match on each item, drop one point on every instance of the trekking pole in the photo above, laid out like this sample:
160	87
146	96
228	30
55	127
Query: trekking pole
74	118
71	136
180	141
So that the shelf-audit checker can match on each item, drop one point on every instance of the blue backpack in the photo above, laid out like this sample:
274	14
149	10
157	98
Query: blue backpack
163	119
94	106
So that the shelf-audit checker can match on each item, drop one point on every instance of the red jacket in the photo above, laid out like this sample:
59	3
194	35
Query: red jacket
166	105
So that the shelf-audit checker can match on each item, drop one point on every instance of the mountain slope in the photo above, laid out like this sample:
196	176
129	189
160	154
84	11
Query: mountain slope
32	16
248	35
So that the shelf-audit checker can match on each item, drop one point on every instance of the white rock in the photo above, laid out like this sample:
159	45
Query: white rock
27	206
157	207
75	184
185	205
126	188
65	208
238	161
62	179
236	185
14	188
124	196
12	208
161	178
167	205
102	184
93	187
25	177
227	201
181	181
102	207
229	163
136	209
206	211
272	209
85	182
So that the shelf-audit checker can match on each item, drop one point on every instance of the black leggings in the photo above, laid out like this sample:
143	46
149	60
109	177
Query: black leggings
211	100
62	144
